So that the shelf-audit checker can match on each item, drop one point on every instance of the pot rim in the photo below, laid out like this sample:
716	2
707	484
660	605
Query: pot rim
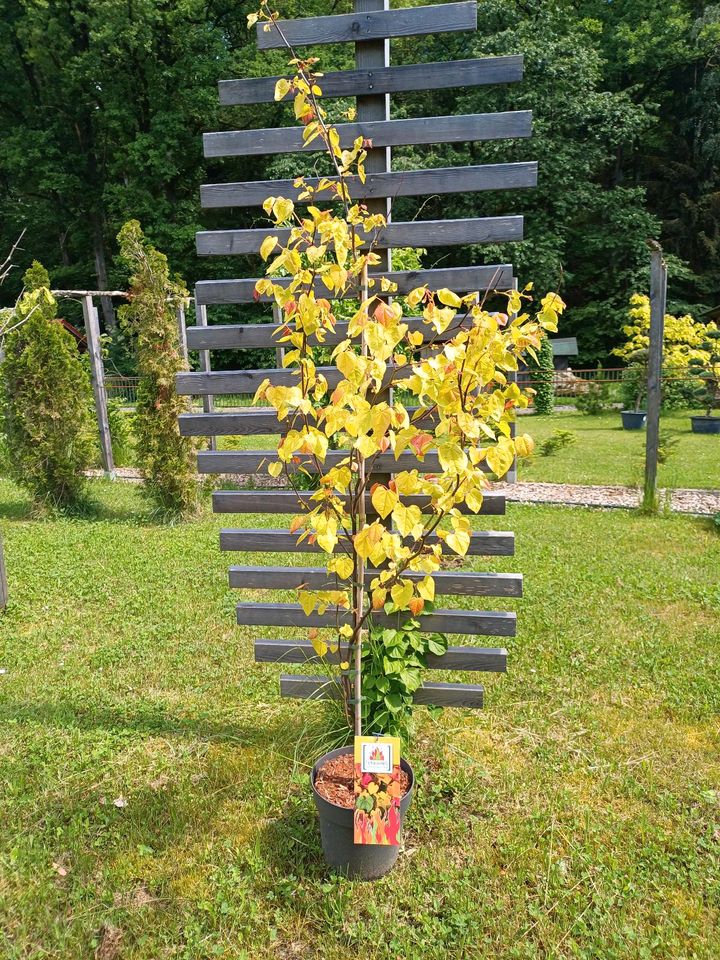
340	751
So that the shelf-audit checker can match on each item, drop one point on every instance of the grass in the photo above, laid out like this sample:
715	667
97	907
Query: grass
604	453
153	796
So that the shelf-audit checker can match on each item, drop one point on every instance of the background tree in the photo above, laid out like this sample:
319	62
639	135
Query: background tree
102	106
166	459
543	376
45	400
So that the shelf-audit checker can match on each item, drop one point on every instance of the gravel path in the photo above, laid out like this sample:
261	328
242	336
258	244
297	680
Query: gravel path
701	502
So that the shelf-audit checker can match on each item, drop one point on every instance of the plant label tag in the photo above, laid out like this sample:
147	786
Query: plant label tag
378	790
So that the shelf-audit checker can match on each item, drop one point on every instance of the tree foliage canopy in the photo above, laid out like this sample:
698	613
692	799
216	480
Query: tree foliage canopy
102	107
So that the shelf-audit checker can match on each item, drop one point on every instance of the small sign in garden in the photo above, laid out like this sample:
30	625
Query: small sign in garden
378	789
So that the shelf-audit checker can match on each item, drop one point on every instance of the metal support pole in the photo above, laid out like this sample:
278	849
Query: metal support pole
511	475
97	374
279	351
658	296
208	402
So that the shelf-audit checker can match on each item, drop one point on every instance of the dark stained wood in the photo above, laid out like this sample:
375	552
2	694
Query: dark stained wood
493	623
430	694
459	279
382	133
485	659
219	382
417	233
483	543
256	461
286	501
450	695
376	25
447	582
400	183
417	76
253	423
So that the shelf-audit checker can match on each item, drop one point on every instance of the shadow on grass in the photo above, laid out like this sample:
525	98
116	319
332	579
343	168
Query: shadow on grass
290	843
149	721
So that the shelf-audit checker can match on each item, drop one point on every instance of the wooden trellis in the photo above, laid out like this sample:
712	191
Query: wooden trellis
373	80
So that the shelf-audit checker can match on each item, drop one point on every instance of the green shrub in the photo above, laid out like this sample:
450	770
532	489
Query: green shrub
166	459
543	378
558	440
121	433
595	401
46	400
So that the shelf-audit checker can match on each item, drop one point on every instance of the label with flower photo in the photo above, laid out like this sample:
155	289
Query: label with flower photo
377	790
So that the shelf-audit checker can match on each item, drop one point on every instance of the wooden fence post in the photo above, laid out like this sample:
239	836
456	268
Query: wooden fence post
182	334
97	373
658	294
208	402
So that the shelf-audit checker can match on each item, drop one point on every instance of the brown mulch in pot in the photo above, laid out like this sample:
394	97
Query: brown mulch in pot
335	781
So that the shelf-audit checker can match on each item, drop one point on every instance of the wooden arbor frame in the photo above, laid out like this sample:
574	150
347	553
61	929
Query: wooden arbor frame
373	80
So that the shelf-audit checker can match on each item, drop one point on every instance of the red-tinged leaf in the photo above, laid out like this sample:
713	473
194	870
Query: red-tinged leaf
420	443
322	302
384	444
393	486
416	605
367	143
312	538
297	522
373	488
256	296
290	307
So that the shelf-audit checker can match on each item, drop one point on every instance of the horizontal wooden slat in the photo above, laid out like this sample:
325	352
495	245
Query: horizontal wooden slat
416	76
371	25
486	623
287	501
400	183
382	133
469	695
483	543
249	423
459	279
253	423
256	461
220	382
485	659
430	694
417	233
459	583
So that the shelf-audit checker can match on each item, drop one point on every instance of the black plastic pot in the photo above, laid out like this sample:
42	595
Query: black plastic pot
705	424
361	861
633	419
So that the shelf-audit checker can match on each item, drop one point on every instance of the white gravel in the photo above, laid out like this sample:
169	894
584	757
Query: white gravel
701	502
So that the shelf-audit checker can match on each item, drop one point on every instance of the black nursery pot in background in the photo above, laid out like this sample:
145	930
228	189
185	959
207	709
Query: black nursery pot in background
633	419
705	424
359	861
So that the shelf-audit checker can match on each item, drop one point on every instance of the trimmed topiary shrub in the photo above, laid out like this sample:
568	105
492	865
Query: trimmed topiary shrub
166	459
543	379
46	400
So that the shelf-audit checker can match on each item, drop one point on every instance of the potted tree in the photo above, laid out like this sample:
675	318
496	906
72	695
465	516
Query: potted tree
708	392
383	539
683	346
634	391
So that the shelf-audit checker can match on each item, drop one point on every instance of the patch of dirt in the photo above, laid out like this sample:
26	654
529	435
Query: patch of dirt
335	781
110	940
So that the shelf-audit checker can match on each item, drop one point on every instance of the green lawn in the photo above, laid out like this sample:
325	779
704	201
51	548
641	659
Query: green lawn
577	816
604	453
